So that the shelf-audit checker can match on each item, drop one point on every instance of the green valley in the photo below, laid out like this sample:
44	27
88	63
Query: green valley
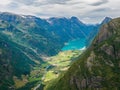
98	68
39	44
58	53
53	68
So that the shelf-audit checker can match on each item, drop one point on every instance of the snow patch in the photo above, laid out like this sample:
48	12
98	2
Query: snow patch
83	48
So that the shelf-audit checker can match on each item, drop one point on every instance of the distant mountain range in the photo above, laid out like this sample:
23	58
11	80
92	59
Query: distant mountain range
24	39
41	35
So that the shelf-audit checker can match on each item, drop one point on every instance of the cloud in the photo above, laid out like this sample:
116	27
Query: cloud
41	2
26	2
13	5
5	2
99	2
100	10
57	1
90	11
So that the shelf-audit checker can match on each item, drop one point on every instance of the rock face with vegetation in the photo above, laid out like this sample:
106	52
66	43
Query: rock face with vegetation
98	67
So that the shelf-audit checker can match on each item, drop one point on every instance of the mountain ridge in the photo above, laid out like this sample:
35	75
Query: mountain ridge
62	27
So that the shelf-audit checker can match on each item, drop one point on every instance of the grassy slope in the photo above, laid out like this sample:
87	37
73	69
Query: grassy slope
16	58
98	67
48	72
12	62
59	65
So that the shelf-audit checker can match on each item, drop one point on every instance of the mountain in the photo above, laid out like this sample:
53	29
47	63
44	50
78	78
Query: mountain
32	33
106	20
98	67
13	62
41	35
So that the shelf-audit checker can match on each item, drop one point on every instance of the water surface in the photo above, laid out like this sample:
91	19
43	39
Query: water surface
75	44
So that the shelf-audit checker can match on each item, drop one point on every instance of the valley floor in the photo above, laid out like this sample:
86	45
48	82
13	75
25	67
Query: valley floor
40	76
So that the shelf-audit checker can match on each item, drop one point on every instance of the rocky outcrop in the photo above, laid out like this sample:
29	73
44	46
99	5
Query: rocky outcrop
103	34
91	82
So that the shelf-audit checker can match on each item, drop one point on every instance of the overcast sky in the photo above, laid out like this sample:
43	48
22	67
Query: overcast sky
88	11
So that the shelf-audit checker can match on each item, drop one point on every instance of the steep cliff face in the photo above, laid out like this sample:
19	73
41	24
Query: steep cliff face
98	67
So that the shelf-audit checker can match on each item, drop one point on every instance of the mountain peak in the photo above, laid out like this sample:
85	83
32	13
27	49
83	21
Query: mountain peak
75	19
106	20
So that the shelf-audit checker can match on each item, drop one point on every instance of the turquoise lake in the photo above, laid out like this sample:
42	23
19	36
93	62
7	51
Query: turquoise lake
75	44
